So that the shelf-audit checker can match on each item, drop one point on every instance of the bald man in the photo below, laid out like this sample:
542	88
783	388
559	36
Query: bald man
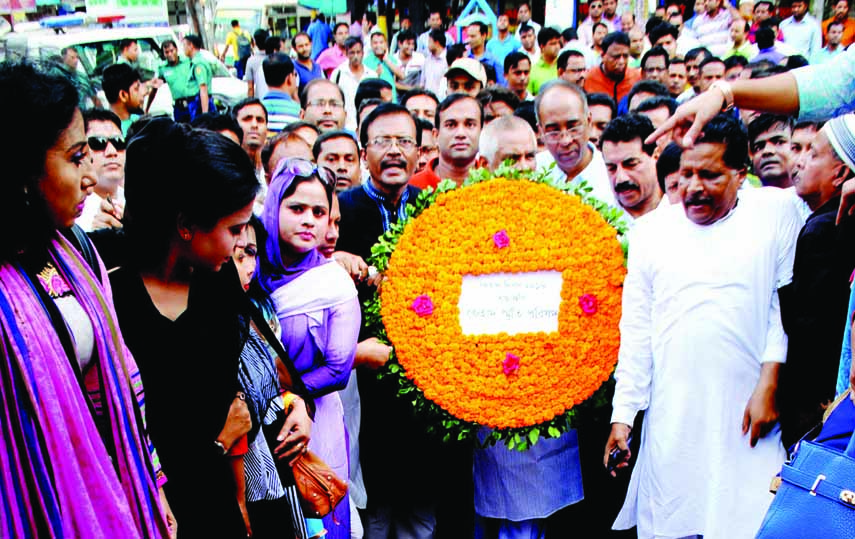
515	491
508	138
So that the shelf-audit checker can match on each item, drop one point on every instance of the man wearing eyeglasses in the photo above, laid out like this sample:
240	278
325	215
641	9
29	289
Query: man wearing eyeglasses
322	102
390	140
104	207
459	120
564	121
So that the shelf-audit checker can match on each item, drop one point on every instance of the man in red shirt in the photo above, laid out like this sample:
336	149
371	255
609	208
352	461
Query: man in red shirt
612	77
459	120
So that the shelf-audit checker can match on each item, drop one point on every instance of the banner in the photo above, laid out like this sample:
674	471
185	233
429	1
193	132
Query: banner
135	11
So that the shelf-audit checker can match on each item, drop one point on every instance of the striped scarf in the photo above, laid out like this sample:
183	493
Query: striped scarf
57	477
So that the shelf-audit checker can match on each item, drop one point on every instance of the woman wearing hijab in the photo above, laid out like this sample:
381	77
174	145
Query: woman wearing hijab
316	304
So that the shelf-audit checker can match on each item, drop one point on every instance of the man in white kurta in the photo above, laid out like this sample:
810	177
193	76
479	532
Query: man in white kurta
701	336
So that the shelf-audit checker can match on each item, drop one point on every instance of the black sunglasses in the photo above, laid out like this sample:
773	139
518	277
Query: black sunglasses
99	144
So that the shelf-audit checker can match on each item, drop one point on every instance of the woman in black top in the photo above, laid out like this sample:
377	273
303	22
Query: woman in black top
184	314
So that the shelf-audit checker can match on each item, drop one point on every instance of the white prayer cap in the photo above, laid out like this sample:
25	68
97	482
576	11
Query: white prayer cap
841	134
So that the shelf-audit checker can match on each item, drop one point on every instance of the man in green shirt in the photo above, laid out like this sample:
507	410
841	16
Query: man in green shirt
546	68
176	73
88	93
381	62
739	44
200	78
129	53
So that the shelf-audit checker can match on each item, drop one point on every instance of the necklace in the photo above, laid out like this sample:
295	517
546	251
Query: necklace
53	283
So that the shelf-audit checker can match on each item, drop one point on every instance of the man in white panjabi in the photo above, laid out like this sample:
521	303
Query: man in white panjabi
701	347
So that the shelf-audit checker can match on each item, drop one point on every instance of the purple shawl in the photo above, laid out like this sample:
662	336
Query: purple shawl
57	477
274	274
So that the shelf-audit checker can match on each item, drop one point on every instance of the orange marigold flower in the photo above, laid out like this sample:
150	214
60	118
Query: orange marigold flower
551	231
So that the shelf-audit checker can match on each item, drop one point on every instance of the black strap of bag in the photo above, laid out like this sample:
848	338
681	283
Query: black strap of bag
81	242
288	375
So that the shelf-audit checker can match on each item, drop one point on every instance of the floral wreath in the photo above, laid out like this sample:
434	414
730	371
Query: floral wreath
524	385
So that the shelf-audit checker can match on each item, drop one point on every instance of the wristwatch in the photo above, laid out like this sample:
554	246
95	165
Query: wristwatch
726	92
221	446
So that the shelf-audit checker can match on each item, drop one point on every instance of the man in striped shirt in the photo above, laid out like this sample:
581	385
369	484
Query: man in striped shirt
279	101
713	27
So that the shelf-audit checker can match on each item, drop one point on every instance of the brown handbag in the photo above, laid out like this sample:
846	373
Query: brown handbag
320	488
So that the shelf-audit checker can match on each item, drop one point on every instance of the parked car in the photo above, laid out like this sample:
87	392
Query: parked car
99	48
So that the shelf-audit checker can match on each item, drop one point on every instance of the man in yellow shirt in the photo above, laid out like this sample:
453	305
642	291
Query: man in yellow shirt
239	40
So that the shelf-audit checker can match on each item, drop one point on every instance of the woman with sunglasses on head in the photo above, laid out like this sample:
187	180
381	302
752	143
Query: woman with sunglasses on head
316	303
186	317
75	460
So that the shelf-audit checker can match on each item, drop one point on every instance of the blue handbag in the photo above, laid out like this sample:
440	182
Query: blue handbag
816	498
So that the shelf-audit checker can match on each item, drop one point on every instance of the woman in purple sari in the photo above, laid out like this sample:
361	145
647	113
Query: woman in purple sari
317	305
75	460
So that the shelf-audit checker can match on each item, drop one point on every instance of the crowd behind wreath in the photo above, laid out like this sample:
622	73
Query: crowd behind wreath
180	298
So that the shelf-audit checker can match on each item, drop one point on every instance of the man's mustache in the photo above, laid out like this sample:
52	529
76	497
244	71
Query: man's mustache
698	199
626	186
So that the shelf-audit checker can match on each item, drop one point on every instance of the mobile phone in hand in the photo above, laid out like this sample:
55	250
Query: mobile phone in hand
618	455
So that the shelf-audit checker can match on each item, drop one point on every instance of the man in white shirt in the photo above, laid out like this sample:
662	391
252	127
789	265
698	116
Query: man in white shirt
348	76
801	31
564	122
701	347
104	207
524	17
411	61
434	23
595	15
528	39
631	166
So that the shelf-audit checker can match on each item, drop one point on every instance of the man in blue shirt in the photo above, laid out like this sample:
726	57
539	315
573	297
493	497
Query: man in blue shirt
319	34
476	36
504	43
281	83
307	69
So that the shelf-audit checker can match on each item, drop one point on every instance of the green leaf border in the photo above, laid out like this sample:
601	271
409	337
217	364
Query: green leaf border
442	423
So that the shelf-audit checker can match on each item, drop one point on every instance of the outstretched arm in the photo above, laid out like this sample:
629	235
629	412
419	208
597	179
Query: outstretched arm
778	94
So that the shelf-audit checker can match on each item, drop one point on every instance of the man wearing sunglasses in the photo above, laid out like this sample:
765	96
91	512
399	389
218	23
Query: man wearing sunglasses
105	206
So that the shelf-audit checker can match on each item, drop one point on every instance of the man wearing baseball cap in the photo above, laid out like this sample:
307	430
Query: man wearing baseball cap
467	76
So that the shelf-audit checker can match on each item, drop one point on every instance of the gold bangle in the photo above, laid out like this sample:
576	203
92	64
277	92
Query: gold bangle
288	399
726	92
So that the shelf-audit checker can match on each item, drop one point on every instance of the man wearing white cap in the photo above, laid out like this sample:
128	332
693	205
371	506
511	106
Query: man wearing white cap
466	75
820	291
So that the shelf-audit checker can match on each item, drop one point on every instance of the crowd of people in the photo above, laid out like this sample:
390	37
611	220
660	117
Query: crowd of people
180	297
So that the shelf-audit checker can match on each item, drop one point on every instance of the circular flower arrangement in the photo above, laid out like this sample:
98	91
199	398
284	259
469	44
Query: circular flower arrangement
522	385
